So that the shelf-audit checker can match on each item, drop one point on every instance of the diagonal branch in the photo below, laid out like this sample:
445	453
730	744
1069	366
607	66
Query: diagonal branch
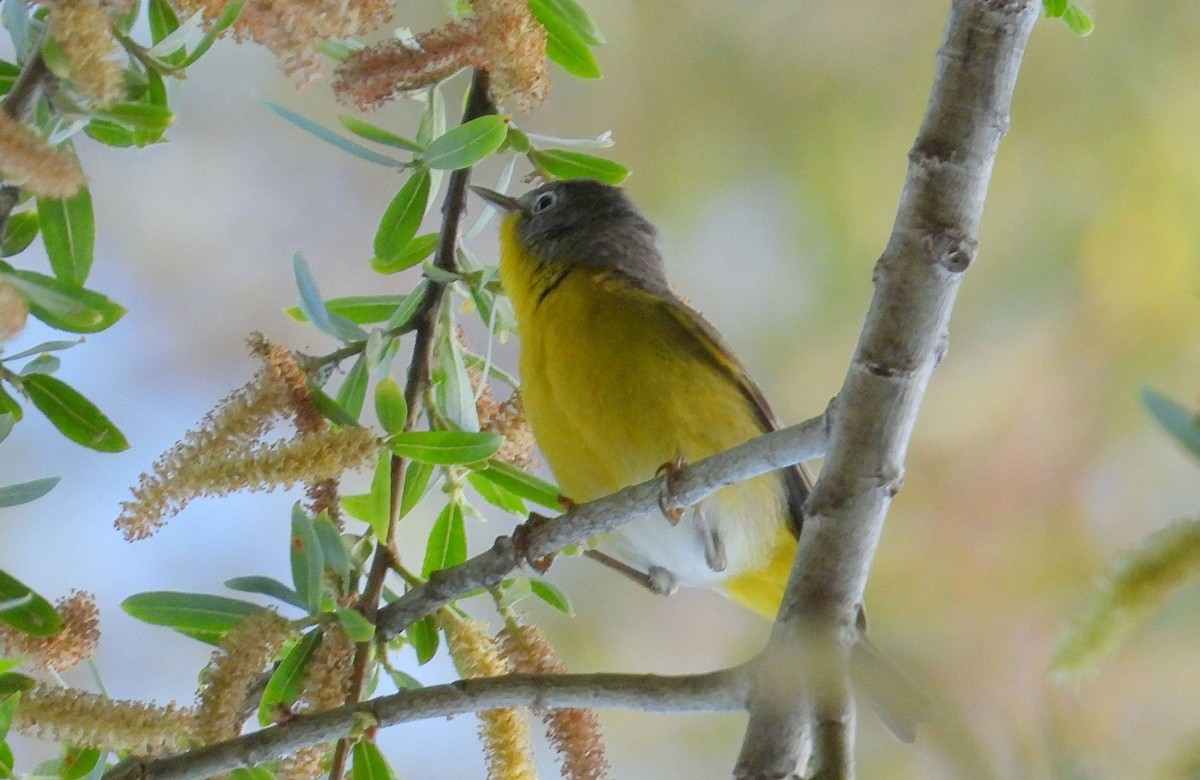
720	691
933	241
541	537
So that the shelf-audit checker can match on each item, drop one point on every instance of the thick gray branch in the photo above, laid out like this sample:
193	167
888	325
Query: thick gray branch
933	241
713	692
541	538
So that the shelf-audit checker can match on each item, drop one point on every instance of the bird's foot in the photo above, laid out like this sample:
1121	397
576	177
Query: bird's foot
673	472
520	537
657	580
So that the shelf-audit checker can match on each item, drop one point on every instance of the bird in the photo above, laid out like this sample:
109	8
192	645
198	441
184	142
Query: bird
621	380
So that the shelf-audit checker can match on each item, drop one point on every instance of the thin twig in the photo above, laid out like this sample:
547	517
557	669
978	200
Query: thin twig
933	241
419	372
720	691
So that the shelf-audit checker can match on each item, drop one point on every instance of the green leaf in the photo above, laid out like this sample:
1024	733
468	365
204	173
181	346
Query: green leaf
198	615
369	763
1078	21
404	681
76	417
466	144
25	610
1182	424
8	710
495	495
390	405
8	664
423	635
19	232
147	122
308	561
62	305
333	549
8	76
9	407
227	17
552	595
260	772
110	134
563	44
447	544
267	586
42	364
329	407
523	484
513	591
69	234
378	134
407	312
416	483
313	306
163	20
45	346
372	508
24	492
286	682
15	683
330	137
417	250
1054	8
402	218
445	448
353	390
433	118
577	165
357	627
359	309
79	762
453	393
573	15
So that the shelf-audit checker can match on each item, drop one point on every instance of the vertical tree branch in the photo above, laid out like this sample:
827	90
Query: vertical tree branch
419	373
933	241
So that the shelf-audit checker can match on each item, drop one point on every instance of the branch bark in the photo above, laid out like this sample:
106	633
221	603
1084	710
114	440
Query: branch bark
720	691
934	239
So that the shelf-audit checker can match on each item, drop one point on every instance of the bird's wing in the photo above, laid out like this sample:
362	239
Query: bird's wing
714	349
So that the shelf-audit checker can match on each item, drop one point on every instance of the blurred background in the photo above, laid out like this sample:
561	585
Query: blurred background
768	141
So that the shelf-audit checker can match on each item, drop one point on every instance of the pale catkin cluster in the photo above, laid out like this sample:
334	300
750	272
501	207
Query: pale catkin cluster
74	717
75	643
249	648
1134	585
225	452
506	418
326	685
83	30
500	36
28	160
508	746
574	732
13	312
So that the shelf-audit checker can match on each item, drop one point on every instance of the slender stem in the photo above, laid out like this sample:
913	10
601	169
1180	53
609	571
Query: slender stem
419	373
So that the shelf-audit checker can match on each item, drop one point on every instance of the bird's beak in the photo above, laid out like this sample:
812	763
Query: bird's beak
503	202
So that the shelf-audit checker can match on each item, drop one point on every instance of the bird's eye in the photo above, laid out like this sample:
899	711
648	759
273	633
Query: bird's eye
543	202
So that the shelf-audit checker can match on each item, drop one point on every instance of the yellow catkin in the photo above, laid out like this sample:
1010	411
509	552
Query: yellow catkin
1135	584
75	643
13	312
507	418
76	717
26	159
508	745
83	30
248	649
326	685
574	732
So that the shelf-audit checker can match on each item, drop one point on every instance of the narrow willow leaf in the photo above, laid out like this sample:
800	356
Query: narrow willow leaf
402	218
353	390
330	137
8	711
337	559
523	484
369	763
417	477
445	448
9	407
496	495
77	763
423	635
62	305
563	44
390	405
578	19
308	561
372	507
418	249
19	232
267	586
45	346
163	20
405	314
191	613
404	681
24	492
359	309
513	591
42	364
552	595
1054	8
329	407
433	118
7	423
1078	21
314	309
283	688
466	144
69	235
76	417
447	544
15	683
357	627
110	134
576	165
1183	425
378	134
8	76
25	610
